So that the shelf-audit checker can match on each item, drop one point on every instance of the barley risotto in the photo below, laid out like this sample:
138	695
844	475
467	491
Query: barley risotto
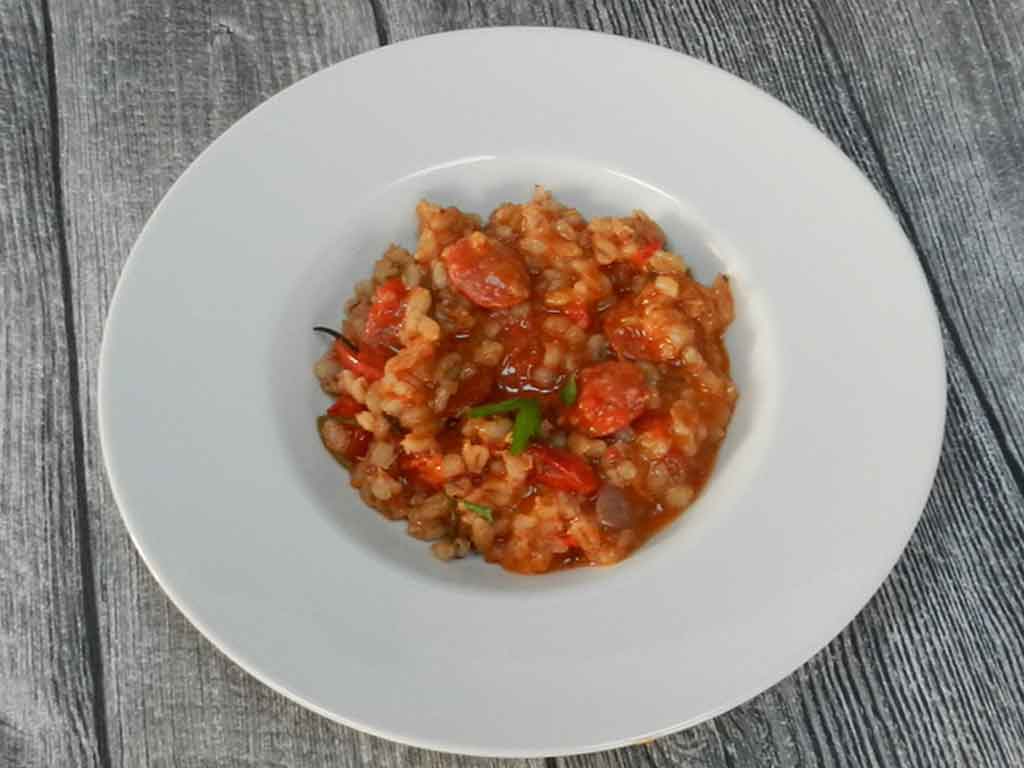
541	389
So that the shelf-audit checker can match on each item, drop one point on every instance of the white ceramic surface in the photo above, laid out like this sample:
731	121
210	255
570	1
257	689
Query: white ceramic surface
207	401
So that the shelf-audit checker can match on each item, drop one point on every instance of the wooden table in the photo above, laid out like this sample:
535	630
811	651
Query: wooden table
104	102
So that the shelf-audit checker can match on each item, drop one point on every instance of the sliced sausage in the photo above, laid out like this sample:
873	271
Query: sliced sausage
611	396
487	272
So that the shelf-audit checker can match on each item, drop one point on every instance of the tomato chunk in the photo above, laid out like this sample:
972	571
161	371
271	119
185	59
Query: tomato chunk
472	391
368	363
524	353
563	470
611	396
424	467
579	315
487	272
645	252
358	443
344	407
657	425
386	314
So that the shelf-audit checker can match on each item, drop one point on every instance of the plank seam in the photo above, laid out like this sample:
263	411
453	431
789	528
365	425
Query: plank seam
903	213
814	740
90	606
380	22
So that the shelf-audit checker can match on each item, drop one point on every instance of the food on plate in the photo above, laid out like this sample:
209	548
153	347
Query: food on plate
541	389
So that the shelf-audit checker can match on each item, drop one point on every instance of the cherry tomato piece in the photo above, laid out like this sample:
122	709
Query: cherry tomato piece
563	470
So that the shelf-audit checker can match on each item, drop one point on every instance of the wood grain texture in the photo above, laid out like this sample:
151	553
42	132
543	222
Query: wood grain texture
942	86
925	97
930	672
47	692
143	88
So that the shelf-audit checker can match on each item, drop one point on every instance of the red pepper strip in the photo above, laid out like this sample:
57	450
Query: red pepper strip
344	407
641	256
386	313
368	363
563	470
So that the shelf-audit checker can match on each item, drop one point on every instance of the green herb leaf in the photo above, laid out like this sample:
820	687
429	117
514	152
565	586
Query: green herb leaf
527	419
492	409
526	426
485	512
569	391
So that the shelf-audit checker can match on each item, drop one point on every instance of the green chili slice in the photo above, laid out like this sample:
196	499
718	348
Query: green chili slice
526	426
527	422
492	409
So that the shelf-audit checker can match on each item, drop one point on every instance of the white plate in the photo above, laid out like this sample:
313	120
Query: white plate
207	402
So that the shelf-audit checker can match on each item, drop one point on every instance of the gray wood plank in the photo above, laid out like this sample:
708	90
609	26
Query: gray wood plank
143	88
942	86
146	88
929	674
48	710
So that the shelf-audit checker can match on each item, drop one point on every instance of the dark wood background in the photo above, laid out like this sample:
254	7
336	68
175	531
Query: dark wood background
104	102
